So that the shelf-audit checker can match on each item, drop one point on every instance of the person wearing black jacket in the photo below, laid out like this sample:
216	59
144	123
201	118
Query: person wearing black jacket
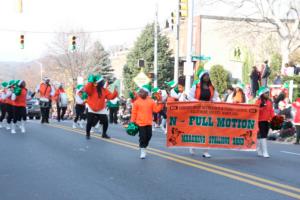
254	80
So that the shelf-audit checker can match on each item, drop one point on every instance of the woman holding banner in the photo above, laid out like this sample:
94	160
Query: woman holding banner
203	90
266	113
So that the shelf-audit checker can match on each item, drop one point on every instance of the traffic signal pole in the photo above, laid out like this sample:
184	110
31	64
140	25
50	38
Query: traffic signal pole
176	59
155	45
188	67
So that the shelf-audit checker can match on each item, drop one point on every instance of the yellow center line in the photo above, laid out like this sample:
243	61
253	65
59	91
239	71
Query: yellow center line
201	165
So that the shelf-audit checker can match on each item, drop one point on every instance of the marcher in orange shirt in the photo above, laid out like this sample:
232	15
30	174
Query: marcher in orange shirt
266	113
10	105
19	97
3	103
96	105
141	115
46	92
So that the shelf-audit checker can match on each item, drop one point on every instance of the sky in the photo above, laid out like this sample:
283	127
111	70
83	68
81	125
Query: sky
40	18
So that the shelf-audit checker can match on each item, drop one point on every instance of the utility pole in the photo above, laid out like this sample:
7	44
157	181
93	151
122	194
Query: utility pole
188	67
155	46
176	60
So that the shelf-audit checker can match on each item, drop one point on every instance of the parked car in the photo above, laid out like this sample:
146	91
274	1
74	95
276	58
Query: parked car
33	108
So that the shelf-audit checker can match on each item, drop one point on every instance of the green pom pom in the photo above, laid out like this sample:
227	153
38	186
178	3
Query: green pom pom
176	89
84	96
132	129
17	91
131	95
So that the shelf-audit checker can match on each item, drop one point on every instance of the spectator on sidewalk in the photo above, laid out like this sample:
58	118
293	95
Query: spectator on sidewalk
265	73
277	80
254	77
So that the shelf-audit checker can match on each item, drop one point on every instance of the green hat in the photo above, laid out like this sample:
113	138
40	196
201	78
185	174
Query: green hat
79	87
132	129
11	83
146	88
4	84
263	90
171	83
19	82
98	78
155	90
201	73
240	85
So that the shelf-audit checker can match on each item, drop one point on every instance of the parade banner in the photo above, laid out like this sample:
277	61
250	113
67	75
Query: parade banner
212	125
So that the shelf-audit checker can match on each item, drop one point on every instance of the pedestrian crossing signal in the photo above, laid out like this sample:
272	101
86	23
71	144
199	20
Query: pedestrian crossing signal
22	41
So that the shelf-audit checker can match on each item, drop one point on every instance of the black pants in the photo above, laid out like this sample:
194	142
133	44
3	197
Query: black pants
145	134
79	109
3	111
10	113
19	114
61	111
264	127
45	114
93	119
113	115
298	133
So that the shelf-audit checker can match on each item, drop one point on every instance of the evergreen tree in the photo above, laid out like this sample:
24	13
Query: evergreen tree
220	78
144	49
99	61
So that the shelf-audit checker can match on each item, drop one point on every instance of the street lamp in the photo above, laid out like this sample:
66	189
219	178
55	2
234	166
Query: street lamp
41	68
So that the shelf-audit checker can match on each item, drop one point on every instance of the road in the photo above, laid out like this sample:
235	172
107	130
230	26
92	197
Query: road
56	162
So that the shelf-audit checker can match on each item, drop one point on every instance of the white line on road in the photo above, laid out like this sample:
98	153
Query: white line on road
298	154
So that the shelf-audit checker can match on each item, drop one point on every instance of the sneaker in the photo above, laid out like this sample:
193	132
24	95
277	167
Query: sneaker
105	136
206	155
88	137
143	153
8	127
74	125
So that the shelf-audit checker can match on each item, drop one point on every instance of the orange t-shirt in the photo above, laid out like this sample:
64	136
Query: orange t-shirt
95	102
21	99
266	113
142	111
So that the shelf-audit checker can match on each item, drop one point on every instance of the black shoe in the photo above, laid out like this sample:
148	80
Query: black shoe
105	136
88	137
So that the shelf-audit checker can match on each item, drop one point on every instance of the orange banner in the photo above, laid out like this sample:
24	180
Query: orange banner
212	125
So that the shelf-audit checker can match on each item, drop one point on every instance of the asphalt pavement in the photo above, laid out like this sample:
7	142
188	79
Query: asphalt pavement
56	162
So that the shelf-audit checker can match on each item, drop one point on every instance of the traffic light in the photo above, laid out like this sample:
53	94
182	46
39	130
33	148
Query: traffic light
22	41
183	8
173	20
73	43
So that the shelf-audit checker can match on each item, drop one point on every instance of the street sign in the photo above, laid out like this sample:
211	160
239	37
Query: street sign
141	79
201	58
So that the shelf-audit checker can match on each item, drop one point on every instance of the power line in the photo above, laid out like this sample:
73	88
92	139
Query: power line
79	32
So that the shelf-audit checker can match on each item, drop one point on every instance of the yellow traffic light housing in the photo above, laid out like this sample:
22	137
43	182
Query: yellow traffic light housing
183	8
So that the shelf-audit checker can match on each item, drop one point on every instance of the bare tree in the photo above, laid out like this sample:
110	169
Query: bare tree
279	16
67	64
